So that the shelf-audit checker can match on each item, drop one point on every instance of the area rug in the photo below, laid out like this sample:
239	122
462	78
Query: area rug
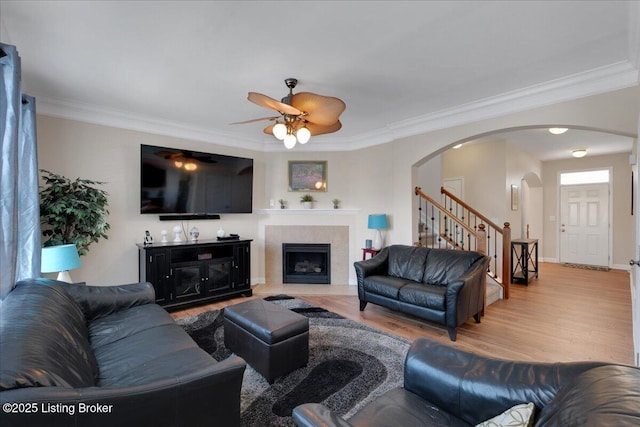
349	365
586	266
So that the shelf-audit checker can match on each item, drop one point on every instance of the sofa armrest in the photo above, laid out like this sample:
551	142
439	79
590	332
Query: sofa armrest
376	266
476	388
100	301
465	296
317	415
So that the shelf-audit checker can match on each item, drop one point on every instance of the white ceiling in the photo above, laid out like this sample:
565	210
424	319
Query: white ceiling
184	68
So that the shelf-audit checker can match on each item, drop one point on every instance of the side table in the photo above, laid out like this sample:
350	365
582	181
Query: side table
524	260
372	252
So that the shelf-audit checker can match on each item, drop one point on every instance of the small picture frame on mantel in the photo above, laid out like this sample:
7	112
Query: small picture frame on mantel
308	175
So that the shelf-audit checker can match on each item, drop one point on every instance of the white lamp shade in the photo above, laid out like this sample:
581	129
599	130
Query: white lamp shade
289	141
60	259
280	131
303	135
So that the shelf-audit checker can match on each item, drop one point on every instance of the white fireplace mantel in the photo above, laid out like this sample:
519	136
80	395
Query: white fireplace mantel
313	211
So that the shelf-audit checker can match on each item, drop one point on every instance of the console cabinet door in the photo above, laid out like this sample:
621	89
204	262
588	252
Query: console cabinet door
188	280
158	273
219	276
242	264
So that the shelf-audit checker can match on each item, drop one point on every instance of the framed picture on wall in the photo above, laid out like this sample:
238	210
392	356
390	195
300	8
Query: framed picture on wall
308	175
514	197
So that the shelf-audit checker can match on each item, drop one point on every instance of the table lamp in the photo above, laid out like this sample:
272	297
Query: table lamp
60	259
378	222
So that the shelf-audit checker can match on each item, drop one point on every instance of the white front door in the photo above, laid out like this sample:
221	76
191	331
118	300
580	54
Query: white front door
584	224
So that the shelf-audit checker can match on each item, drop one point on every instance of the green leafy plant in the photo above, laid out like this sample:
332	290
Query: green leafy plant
336	202
72	211
306	198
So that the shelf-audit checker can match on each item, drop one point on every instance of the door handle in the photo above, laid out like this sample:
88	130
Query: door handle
634	262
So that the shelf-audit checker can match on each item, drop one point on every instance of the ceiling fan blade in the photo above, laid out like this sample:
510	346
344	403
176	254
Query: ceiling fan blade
264	119
269	129
319	109
317	129
268	102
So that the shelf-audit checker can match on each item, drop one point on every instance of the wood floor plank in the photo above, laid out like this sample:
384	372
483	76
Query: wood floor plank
567	314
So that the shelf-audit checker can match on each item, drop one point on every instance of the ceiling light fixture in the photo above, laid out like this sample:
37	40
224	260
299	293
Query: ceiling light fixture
558	131
301	115
581	152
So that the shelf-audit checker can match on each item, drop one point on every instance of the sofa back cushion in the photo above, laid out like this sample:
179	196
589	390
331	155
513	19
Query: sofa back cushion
443	266
604	396
44	338
407	262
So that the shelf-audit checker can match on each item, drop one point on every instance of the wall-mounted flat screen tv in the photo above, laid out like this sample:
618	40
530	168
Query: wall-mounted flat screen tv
177	181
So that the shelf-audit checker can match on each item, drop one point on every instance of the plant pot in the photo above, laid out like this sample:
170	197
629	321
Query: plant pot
307	205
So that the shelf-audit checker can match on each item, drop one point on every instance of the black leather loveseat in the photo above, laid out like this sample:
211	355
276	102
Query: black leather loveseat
444	286
76	355
444	386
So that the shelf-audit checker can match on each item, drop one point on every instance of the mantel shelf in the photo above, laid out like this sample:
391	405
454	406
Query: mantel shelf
313	211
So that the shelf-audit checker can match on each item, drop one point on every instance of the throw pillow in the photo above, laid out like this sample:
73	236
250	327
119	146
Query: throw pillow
519	416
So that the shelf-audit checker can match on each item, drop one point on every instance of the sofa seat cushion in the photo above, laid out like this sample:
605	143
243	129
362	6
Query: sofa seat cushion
130	351
407	262
399	407
386	286
37	315
442	268
604	396
423	295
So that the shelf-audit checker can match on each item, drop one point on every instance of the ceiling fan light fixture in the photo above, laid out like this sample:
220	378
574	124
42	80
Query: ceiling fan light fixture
579	153
289	141
303	135
280	131
558	131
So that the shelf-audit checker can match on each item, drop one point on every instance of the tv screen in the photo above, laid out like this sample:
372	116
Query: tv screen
175	181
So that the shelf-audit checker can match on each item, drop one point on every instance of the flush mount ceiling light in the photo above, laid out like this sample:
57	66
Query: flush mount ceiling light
581	152
301	115
558	131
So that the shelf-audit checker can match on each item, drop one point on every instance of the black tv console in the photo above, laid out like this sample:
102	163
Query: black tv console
190	273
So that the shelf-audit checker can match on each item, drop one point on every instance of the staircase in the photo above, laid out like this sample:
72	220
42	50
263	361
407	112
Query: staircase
456	225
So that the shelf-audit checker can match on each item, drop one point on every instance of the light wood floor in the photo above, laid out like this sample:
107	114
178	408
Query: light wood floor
567	314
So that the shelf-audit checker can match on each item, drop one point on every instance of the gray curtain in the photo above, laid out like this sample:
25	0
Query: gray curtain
19	199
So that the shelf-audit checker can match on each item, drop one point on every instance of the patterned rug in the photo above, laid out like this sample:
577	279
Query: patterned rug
586	266
349	365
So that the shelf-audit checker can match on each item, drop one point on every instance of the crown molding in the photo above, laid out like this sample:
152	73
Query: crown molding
600	80
138	122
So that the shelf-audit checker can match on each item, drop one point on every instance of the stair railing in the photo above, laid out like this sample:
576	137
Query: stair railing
456	225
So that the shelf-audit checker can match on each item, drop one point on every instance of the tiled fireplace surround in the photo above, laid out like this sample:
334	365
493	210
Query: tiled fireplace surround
336	235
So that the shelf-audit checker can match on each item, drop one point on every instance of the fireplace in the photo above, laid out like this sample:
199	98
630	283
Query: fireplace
306	263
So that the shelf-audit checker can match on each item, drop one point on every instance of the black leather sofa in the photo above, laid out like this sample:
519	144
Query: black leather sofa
444	386
443	286
76	355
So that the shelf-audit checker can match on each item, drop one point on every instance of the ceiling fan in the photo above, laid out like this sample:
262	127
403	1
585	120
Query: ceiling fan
301	115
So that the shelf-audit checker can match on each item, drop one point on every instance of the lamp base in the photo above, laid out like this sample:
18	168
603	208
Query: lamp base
377	240
64	276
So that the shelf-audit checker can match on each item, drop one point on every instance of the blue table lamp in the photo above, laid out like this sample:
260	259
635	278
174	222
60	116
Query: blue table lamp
60	259
378	222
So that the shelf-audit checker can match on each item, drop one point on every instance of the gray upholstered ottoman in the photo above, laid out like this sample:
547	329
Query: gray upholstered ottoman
272	339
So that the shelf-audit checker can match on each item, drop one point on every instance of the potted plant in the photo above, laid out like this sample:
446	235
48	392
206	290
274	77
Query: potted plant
283	203
307	201
72	211
336	203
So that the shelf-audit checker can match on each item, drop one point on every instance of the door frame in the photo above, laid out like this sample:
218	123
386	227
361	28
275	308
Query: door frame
559	206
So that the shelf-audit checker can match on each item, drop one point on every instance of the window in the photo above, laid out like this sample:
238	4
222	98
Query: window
584	177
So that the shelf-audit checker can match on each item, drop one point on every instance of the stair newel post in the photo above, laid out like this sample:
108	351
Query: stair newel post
481	239
506	259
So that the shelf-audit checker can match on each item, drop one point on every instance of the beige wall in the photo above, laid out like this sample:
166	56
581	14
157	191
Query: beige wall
378	179
623	226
